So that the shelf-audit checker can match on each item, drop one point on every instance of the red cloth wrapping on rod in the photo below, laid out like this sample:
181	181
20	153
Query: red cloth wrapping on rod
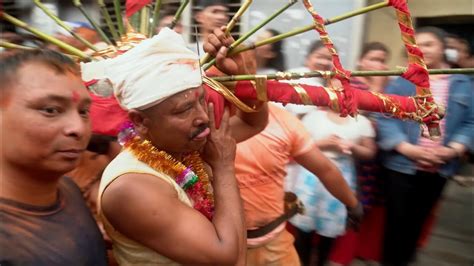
285	93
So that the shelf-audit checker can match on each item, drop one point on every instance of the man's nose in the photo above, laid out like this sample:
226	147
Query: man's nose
76	125
202	116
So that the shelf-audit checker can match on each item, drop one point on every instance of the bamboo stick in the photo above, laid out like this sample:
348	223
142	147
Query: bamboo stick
144	20
108	20
118	14
102	34
229	26
63	25
10	45
133	21
298	75
68	48
156	17
252	31
237	15
177	16
310	27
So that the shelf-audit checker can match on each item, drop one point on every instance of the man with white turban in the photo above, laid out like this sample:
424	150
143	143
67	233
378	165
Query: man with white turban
155	198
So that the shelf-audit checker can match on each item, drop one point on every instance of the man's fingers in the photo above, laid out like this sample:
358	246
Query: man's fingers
209	48
215	43
212	121
220	34
225	120
228	40
221	57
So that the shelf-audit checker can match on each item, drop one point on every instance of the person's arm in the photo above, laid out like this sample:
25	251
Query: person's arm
419	154
365	149
462	138
147	209
330	143
332	179
243	125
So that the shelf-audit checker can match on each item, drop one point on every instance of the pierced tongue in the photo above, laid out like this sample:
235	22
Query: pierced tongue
203	134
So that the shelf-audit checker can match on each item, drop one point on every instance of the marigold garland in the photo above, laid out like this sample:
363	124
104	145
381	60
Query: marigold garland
194	179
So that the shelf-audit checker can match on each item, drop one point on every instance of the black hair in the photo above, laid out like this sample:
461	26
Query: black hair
11	62
438	33
100	143
316	45
277	62
202	4
373	46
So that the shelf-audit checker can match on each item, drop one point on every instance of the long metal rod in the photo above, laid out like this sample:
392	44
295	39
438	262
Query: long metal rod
298	75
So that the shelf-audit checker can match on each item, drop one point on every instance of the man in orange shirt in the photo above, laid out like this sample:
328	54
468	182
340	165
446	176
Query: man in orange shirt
260	168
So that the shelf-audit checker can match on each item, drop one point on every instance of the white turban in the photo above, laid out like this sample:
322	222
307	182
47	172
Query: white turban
150	72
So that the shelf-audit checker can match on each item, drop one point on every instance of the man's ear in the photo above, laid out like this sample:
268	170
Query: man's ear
140	121
198	17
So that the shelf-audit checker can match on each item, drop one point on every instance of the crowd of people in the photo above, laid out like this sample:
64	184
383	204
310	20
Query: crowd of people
131	161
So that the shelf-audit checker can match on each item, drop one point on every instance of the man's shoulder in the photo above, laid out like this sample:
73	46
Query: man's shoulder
55	234
282	115
66	183
286	121
461	83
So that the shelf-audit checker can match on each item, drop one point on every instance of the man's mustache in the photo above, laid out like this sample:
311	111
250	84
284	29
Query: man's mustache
199	130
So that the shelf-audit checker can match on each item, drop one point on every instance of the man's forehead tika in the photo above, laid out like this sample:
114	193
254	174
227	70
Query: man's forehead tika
75	96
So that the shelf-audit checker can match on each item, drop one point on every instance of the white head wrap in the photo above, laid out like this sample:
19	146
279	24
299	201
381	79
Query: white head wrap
150	72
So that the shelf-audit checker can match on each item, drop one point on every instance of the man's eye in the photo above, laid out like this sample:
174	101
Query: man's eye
50	110
84	112
185	109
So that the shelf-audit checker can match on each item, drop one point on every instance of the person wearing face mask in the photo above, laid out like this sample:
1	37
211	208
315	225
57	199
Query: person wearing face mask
416	167
458	52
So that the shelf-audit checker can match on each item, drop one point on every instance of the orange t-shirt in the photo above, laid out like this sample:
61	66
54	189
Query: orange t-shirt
261	165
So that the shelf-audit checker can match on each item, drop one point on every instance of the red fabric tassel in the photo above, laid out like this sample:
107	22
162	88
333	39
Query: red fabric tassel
417	75
106	115
132	6
399	4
